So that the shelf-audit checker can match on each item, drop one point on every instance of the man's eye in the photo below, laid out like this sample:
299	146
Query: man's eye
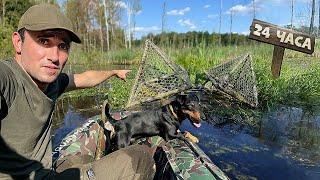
44	41
64	46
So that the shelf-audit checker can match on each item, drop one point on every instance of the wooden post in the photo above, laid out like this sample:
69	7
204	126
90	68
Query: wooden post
278	53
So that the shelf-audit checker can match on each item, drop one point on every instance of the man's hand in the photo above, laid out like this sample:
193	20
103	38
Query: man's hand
121	74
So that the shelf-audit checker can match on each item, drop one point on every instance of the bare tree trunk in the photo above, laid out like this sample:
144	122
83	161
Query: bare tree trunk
129	23
220	21
101	35
112	16
312	17
231	16
106	16
163	19
3	12
292	8
1	16
163	22
319	18
254	9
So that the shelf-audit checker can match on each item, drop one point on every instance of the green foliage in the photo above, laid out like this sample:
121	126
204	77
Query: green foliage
14	10
121	56
6	43
94	57
195	39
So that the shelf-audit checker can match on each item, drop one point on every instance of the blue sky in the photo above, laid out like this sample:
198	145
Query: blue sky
203	15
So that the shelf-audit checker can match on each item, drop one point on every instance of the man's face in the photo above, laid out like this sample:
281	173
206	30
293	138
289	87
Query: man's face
44	54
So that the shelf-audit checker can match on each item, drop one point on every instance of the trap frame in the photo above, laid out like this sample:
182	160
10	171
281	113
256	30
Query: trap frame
158	77
236	78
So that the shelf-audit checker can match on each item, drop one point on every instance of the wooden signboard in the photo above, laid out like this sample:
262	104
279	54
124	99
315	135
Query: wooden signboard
281	38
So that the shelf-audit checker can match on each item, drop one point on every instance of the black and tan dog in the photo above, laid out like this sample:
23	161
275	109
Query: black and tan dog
163	122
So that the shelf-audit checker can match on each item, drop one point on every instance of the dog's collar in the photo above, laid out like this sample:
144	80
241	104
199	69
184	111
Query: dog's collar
172	111
170	116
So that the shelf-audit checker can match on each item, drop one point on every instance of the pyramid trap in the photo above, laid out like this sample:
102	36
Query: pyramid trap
157	77
236	78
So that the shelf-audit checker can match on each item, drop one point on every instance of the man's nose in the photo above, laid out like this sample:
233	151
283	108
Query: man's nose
53	54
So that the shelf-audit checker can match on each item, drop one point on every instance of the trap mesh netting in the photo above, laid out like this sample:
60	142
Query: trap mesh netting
236	78
157	77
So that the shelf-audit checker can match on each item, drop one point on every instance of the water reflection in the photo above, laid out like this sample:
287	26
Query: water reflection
296	130
284	145
71	113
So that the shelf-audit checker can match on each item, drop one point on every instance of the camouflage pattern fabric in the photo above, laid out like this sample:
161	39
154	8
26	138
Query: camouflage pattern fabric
187	160
82	141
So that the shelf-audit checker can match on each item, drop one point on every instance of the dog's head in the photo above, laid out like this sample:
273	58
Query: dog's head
188	106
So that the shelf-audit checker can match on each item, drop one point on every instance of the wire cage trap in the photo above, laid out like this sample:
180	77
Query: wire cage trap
158	77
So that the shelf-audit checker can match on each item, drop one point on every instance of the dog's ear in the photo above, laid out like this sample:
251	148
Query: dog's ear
194	96
182	98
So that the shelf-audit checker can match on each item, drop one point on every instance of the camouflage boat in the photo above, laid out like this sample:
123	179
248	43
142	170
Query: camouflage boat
175	159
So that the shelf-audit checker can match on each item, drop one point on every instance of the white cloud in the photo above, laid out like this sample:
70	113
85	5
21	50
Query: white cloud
245	33
240	9
177	12
259	5
249	8
187	23
206	6
147	29
138	12
121	4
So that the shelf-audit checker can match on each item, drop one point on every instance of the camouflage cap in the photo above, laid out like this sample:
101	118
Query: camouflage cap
44	17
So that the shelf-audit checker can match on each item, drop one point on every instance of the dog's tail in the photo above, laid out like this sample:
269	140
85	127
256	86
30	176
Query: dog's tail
105	112
106	123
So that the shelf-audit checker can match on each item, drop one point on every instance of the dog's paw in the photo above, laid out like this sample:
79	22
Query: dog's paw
191	137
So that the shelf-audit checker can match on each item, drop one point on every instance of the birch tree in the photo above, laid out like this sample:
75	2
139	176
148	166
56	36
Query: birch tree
220	21
231	17
312	16
163	21
254	9
319	19
3	12
105	14
292	8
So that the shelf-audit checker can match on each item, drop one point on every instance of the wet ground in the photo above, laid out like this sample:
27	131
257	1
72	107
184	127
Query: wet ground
284	145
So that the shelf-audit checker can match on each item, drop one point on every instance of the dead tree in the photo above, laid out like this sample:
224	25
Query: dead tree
254	9
312	17
220	21
292	8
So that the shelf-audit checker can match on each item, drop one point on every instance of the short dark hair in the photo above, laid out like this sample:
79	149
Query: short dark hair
21	33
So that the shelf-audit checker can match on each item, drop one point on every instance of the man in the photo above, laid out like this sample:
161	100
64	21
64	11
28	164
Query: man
29	87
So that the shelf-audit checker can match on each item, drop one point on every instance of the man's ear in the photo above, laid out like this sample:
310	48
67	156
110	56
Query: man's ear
17	42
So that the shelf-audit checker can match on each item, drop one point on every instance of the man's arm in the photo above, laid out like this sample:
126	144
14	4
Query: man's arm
93	78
